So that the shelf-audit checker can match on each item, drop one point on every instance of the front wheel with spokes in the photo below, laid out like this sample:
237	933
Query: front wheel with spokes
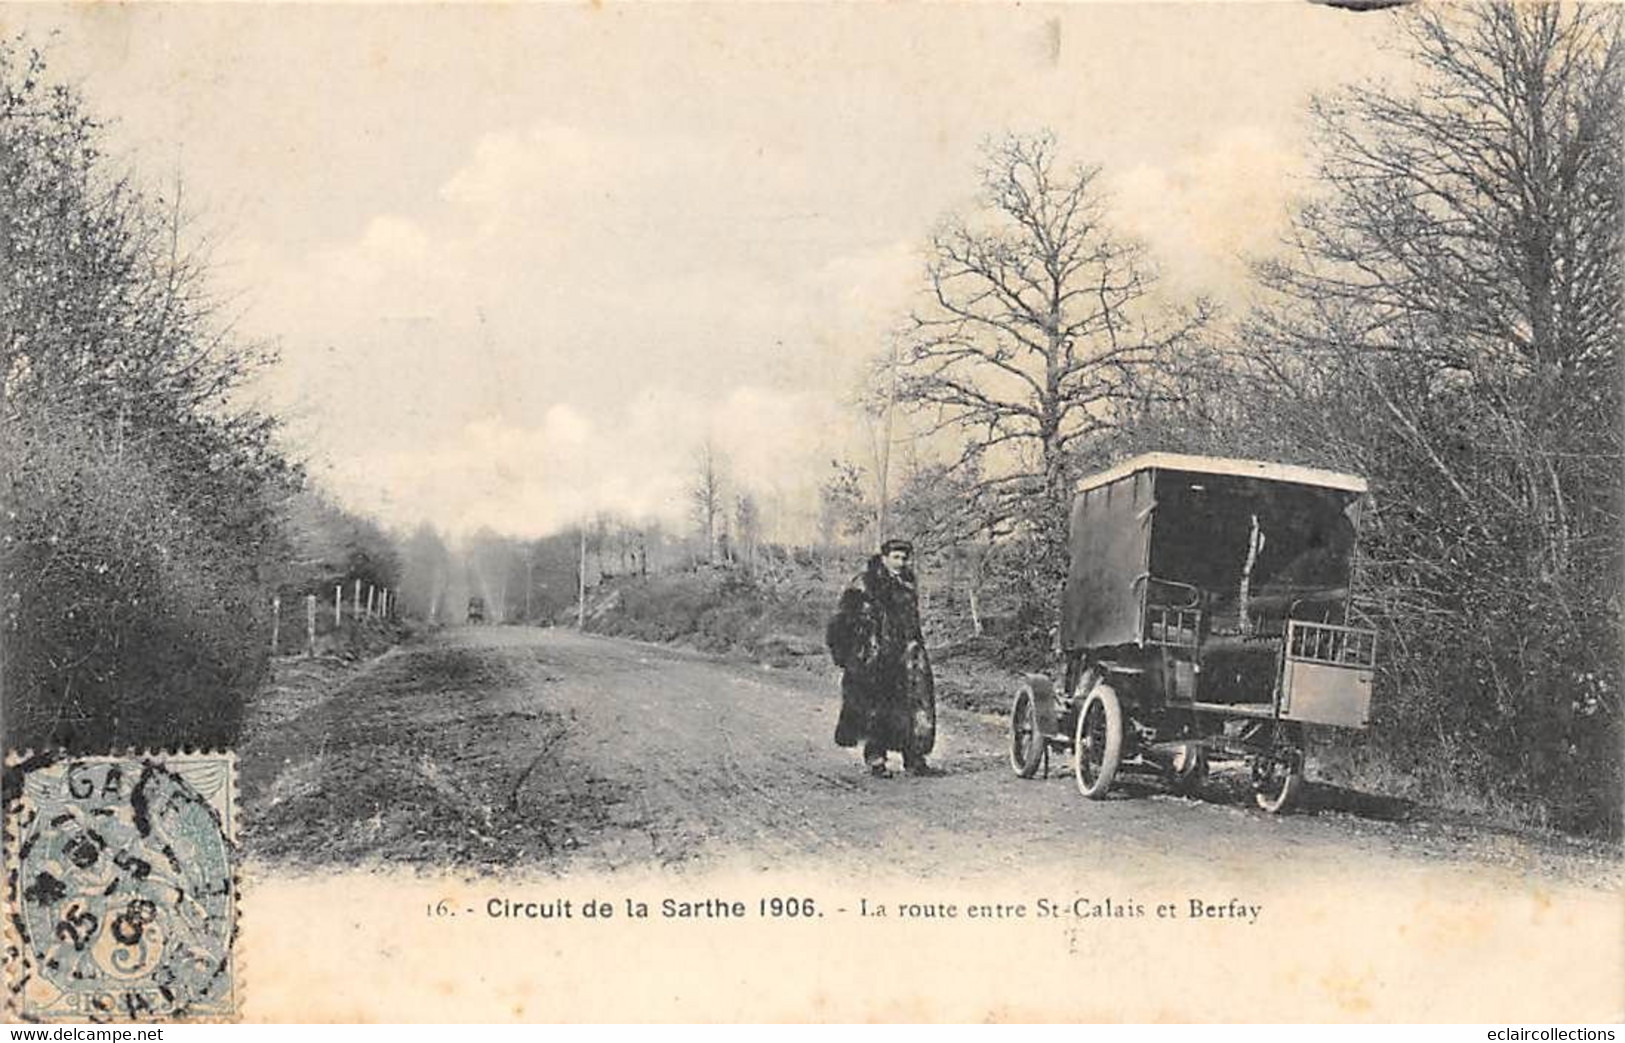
1097	745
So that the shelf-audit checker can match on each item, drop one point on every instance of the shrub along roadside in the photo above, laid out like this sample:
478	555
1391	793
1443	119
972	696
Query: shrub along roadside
718	611
146	514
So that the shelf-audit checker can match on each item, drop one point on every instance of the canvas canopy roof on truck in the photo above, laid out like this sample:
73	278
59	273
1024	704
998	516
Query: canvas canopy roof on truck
1221	465
1167	525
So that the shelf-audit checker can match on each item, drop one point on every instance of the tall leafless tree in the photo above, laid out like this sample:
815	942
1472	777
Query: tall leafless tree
748	524
1450	318
845	510
1474	232
707	494
1038	321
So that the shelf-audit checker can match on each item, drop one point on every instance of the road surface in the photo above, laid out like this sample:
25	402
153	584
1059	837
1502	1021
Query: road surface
504	746
390	808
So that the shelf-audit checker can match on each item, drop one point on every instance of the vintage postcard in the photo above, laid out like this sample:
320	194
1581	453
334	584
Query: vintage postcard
822	512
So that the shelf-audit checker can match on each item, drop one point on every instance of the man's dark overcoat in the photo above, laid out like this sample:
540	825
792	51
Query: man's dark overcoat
888	696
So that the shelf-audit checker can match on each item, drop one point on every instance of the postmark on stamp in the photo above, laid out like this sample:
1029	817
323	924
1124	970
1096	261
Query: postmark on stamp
121	890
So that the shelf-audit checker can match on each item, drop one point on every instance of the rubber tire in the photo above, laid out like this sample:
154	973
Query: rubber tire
1188	779
1283	798
1024	714
1105	697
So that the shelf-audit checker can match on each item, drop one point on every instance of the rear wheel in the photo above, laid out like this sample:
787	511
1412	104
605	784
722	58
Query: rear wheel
1026	739
1188	768
1278	774
1097	746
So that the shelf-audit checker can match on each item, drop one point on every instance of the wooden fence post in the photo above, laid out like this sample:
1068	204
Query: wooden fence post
355	610
276	621
581	583
310	624
338	605
372	594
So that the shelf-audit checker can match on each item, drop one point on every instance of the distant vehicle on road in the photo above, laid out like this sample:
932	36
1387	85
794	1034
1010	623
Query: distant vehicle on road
476	610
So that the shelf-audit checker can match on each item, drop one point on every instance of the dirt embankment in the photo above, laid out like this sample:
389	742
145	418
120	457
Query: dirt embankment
779	622
722	611
431	753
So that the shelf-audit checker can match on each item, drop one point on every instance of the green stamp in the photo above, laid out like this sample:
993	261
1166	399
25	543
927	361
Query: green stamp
121	887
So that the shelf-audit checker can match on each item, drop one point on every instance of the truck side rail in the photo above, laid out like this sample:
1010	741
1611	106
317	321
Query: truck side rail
1173	626
1330	644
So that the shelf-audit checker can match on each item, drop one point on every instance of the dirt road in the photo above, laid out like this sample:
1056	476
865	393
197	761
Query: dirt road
500	747
513	768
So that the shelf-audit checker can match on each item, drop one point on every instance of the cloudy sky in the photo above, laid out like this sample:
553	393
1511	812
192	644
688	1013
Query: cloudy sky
522	260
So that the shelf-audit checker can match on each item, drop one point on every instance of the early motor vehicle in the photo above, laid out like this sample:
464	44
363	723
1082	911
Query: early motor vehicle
1207	615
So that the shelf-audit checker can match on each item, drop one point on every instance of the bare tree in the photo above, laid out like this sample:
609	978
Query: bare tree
1473	231
600	536
1038	321
1450	319
950	510
748	523
845	510
707	494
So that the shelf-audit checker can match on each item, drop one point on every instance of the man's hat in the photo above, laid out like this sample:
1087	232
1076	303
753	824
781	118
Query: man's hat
894	544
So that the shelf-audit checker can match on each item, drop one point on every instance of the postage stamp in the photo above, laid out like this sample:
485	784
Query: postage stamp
121	887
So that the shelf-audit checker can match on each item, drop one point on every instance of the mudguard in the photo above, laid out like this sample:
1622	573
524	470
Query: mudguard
1044	703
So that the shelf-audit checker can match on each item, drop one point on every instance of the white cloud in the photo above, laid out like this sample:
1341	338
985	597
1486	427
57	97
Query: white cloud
1204	215
524	229
556	338
390	248
564	426
636	461
498	163
393	241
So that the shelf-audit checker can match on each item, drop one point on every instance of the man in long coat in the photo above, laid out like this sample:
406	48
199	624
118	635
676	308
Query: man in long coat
888	697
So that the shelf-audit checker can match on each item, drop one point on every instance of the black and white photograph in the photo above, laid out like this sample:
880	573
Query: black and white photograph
820	512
